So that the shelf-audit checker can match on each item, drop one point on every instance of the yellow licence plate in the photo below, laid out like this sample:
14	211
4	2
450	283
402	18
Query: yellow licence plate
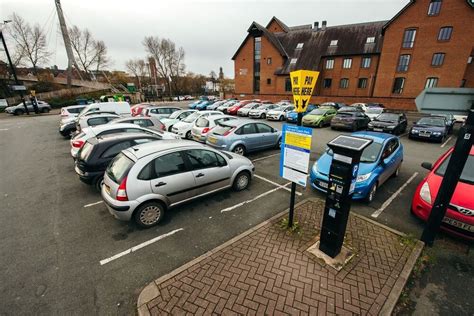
107	189
212	140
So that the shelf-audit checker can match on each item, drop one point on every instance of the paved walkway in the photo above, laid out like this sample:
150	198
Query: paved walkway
268	271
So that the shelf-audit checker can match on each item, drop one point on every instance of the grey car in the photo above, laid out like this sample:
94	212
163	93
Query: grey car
261	112
144	181
19	109
148	122
243	136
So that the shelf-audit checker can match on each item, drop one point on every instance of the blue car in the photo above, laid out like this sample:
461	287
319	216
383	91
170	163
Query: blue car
292	117
379	161
194	104
203	105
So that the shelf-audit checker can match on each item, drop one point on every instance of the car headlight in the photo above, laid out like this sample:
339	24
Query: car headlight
437	133
363	177
414	131
391	126
425	193
315	167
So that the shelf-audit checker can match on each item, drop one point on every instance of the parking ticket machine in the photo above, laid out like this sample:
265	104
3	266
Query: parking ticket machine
342	178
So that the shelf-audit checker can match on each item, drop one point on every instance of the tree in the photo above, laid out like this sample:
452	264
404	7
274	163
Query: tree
30	43
101	59
137	67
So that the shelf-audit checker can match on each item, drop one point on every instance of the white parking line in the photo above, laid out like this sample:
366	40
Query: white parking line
394	195
140	246
92	204
447	141
255	198
262	158
3	129
276	184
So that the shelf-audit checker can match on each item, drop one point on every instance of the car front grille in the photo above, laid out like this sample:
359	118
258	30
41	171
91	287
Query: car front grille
425	133
462	210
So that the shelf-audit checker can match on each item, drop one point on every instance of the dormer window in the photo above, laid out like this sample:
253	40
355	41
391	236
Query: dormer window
299	46
293	61
370	40
333	43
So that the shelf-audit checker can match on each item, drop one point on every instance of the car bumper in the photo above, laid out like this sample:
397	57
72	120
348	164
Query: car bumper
310	123
87	177
430	137
216	146
74	152
291	120
180	133
273	117
199	138
342	125
381	129
320	183
254	115
242	114
120	210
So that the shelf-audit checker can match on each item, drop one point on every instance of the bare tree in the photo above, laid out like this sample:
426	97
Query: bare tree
101	59
138	68
30	42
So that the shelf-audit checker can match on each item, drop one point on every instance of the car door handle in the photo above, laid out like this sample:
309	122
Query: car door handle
199	175
160	184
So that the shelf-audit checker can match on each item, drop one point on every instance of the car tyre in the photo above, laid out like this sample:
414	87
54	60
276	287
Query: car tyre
397	171
241	181
278	144
170	128
371	195
321	124
281	118
263	116
239	150
188	135
149	214
98	182
19	112
44	110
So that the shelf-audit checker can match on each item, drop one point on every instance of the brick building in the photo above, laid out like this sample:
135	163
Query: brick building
429	43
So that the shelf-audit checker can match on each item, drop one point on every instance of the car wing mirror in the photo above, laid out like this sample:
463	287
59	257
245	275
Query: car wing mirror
427	165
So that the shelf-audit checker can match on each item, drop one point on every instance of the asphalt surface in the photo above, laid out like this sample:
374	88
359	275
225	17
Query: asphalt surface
52	244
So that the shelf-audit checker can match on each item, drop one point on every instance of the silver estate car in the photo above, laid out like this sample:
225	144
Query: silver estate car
242	136
261	111
143	181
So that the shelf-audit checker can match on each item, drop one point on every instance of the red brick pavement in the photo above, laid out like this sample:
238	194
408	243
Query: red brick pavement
269	272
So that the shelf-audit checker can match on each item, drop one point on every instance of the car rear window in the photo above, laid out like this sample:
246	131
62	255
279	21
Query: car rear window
75	110
467	174
119	167
221	129
86	151
202	122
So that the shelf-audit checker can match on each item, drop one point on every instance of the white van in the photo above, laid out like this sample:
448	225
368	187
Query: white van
120	108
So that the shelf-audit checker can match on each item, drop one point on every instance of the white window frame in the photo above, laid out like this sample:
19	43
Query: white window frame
370	39
293	61
300	46
330	63
333	43
347	63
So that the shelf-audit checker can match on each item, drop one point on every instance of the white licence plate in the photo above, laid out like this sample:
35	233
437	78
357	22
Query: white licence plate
323	185
424	134
378	130
458	224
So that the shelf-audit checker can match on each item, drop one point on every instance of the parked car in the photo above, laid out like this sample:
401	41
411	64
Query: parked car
148	122
161	111
94	120
19	109
243	136
215	105
373	112
379	161
120	108
232	110
394	123
175	117
459	218
350	109
353	121
71	111
226	105
244	111
204	124
362	106
143	182
261	111
450	121
97	152
203	105
138	109
279	113
430	128
319	117
195	103
336	105
292	116
183	128
375	105
68	127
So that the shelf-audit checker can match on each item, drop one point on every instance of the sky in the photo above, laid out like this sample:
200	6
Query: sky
210	31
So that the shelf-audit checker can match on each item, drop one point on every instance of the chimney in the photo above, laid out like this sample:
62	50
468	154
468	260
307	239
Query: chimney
323	26
316	26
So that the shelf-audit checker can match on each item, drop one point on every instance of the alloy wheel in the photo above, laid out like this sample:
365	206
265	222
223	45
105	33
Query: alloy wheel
150	215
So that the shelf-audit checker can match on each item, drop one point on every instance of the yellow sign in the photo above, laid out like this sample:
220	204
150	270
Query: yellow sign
302	86
298	140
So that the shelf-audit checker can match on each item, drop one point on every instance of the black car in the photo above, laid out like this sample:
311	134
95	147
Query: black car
394	123
97	152
430	128
353	121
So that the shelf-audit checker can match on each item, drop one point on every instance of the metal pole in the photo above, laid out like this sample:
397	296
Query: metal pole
13	72
293	185
450	179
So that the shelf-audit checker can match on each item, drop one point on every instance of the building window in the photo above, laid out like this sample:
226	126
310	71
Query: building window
445	33
370	39
438	59
269	81
269	61
327	82
434	8
403	63
287	85
293	60
299	46
365	63
398	85
344	83
333	43
330	64
347	63
409	38
256	64
431	82
362	84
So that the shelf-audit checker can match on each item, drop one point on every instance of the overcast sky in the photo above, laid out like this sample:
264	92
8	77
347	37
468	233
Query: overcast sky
209	31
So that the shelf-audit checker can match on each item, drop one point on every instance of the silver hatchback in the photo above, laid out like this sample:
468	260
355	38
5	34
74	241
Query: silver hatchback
143	181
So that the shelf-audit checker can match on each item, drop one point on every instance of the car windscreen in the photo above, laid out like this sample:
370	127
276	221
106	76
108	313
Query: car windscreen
192	117
175	114
374	111
221	129
249	106
86	151
467	174
119	167
387	117
318	112
75	110
432	121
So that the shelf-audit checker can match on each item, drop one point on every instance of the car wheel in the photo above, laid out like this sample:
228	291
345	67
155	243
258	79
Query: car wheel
321	124
370	197
278	145
170	128
241	181
263	116
397	172
44	110
239	150
98	182
149	214
281	118
19	112
188	135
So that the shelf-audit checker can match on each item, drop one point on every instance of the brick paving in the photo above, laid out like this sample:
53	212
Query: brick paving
269	272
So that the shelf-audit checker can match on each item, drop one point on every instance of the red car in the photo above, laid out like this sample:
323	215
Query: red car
459	219
234	108
137	109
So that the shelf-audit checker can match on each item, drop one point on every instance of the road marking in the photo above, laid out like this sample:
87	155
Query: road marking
140	246
276	184
3	129
394	195
262	158
444	144
92	204
255	198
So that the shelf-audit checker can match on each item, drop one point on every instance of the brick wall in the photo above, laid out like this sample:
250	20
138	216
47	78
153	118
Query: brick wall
243	68
268	51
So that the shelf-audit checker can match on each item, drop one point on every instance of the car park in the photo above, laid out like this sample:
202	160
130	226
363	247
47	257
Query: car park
148	122
319	117
292	116
243	136
19	109
394	123
430	128
175	117
232	110
353	120
226	105
450	121
215	105
379	161
244	111
120	108
195	103
203	105
203	125
279	113
459	218
183	128
97	152
373	112
143	182
261	111
161	111
71	111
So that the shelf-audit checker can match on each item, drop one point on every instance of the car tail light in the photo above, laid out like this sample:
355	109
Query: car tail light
63	112
163	127
122	191
228	132
205	130
78	143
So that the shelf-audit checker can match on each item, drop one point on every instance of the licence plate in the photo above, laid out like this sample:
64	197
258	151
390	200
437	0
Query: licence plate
107	189
378	130
458	224
212	139
424	134
323	185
